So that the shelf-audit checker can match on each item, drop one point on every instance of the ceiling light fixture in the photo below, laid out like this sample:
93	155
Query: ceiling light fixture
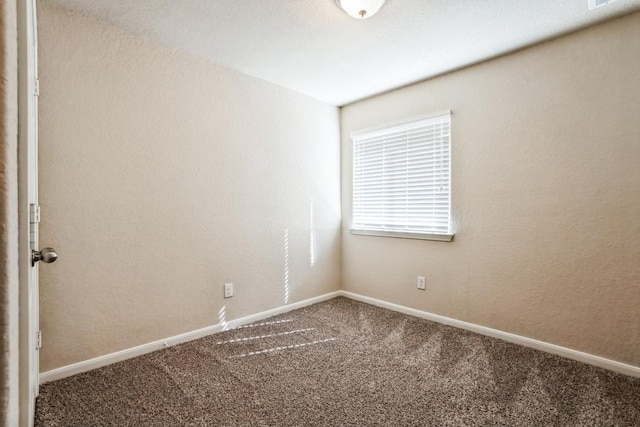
360	9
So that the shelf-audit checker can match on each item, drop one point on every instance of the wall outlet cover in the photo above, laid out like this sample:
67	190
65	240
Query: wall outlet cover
228	290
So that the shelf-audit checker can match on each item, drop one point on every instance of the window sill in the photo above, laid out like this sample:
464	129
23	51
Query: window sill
403	234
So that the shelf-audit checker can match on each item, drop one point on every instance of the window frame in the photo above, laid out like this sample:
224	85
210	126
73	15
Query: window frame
408	234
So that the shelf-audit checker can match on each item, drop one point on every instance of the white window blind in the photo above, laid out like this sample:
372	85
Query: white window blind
401	177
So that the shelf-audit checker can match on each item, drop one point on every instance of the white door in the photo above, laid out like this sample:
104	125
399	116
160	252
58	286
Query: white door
30	252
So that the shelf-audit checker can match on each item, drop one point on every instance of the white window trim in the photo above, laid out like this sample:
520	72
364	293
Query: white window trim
403	234
441	237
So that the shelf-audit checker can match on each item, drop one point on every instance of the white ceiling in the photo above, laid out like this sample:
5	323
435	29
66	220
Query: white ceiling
313	47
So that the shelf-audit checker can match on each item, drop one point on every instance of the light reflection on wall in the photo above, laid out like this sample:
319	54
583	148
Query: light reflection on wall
286	266
222	318
312	237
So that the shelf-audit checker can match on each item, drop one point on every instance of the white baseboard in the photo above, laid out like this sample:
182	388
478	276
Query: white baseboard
118	356
579	356
108	359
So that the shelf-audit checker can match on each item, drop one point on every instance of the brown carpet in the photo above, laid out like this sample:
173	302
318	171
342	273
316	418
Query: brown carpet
342	362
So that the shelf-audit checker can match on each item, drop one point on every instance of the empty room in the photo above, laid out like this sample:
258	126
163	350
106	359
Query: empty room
320	212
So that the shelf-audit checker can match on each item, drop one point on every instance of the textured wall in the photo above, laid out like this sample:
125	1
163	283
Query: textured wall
162	177
9	323
546	195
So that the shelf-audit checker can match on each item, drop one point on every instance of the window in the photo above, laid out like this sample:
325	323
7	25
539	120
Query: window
401	179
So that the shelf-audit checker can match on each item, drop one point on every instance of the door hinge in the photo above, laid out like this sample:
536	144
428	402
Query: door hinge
36	87
34	220
38	340
34	213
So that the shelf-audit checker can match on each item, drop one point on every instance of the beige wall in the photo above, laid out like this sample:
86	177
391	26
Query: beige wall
546	195
163	176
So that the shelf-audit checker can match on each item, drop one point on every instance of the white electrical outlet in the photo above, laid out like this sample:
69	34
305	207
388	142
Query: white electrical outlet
422	284
228	290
